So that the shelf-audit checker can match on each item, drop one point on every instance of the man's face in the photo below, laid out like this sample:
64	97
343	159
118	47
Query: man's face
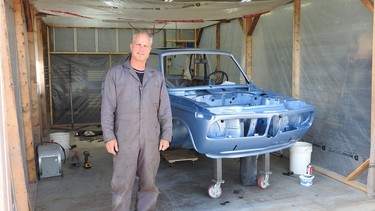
140	48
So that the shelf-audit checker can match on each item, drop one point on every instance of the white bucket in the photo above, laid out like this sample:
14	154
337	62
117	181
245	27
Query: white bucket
63	139
300	157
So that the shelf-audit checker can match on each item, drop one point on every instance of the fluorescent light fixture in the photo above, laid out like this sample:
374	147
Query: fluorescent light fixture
245	0
168	0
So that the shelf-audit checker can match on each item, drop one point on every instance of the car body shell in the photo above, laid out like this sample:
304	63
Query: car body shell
229	119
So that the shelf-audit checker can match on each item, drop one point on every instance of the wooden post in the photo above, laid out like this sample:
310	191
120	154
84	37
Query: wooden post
371	169
11	135
251	23
218	39
5	173
296	54
41	78
199	37
24	89
34	85
249	48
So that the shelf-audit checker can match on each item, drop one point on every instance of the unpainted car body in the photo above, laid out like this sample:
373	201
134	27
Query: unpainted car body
218	111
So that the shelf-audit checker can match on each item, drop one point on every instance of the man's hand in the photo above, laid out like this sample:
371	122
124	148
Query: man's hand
163	145
112	147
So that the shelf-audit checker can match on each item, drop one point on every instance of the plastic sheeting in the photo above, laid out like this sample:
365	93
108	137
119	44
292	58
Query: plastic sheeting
335	74
148	13
76	82
336	40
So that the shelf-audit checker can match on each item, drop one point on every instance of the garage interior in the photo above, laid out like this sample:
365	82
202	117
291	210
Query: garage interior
56	53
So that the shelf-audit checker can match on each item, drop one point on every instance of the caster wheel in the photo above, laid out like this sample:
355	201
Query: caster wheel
263	182
215	191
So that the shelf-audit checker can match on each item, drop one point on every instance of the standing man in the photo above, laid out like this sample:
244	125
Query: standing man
137	122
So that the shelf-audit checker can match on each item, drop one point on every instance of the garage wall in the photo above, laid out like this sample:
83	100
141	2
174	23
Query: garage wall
79	59
336	40
335	72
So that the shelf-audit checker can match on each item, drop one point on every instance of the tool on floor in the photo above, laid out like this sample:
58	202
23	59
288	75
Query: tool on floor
86	164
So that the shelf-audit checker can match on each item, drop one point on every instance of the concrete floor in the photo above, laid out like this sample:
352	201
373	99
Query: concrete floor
184	185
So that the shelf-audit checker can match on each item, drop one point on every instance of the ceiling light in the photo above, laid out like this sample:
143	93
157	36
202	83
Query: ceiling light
245	0
168	0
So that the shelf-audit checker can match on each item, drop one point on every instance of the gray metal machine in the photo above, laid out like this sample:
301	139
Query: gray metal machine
50	160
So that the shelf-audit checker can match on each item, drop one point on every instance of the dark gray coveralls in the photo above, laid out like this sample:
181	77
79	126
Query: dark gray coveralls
138	116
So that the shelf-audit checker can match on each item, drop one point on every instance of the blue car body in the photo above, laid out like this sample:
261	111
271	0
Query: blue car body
218	111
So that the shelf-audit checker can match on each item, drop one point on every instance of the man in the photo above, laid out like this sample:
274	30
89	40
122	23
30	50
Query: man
137	122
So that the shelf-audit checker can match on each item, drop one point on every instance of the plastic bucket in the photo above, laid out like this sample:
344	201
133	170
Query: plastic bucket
300	157
63	139
306	180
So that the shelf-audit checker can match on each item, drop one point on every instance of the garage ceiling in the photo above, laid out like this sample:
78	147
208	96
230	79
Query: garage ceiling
182	14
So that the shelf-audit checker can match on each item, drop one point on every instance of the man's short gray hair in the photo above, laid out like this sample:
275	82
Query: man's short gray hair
143	33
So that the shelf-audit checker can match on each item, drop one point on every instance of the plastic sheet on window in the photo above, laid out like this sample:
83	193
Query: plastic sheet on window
76	83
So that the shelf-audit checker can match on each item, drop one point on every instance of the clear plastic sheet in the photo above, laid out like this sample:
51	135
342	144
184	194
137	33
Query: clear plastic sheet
76	82
336	40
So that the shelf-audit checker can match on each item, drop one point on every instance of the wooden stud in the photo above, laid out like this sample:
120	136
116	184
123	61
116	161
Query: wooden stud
12	135
358	171
28	9
253	25
218	29
340	178
24	89
34	86
369	5
199	37
371	170
6	197
249	48
41	70
296	54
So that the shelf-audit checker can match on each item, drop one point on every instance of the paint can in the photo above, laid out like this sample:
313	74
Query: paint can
306	180
309	170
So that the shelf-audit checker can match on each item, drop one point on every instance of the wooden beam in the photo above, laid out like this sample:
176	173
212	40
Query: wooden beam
11	134
241	22
253	25
358	171
369	5
164	39
296	54
24	89
371	170
28	15
41	79
35	114
199	37
249	48
340	178
6	197
218	29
